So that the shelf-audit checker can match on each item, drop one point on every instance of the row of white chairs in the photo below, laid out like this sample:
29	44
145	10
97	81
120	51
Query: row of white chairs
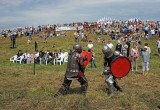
16	59
61	59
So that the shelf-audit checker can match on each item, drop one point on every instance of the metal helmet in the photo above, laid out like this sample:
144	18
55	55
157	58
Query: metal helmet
108	52
77	47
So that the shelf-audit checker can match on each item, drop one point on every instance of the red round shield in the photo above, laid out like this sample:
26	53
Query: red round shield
88	56
120	66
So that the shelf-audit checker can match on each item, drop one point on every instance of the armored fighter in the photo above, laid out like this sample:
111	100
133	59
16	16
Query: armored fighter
75	70
115	66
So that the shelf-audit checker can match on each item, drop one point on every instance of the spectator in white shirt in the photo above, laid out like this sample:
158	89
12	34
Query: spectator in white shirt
145	60
152	32
110	45
90	45
148	48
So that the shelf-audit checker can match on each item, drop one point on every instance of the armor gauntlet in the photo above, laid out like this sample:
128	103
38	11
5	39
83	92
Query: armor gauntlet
117	53
105	72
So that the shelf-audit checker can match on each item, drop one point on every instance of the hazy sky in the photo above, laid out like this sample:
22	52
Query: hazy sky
19	13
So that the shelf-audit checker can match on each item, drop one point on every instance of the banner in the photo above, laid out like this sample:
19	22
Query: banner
68	28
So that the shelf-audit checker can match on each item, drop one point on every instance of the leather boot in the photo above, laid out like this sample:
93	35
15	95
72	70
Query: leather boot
84	88
62	91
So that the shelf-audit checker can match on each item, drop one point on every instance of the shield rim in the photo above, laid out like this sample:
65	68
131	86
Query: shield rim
128	70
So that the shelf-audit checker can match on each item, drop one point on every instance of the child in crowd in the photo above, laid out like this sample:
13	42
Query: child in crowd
124	48
134	56
92	62
145	60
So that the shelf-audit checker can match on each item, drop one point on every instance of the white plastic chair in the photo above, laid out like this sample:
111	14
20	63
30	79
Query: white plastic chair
60	58
65	56
13	59
46	58
19	59
54	61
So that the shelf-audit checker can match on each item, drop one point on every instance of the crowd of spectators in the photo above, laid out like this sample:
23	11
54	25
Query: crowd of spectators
127	34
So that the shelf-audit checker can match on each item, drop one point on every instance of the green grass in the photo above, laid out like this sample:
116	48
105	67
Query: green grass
20	89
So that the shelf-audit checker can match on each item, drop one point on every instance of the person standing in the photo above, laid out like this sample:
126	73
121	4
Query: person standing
119	46
158	45
110	45
128	49
134	56
92	62
146	29
36	46
90	45
159	32
30	35
124	49
152	32
145	60
13	39
149	50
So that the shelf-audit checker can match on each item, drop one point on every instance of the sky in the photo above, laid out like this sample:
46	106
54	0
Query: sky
20	13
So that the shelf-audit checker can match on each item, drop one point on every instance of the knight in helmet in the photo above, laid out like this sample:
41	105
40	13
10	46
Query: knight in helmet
109	56
75	70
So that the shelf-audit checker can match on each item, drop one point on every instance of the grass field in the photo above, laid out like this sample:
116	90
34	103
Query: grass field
20	89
